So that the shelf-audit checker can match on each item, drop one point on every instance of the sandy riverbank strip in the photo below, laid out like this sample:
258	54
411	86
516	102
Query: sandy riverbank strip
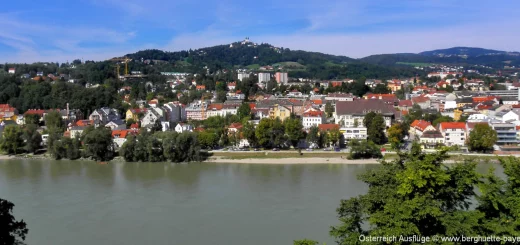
292	160
6	157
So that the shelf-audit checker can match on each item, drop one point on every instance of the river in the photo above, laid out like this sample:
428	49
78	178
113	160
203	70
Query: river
74	202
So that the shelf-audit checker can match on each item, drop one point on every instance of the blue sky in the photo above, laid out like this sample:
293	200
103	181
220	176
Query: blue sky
59	30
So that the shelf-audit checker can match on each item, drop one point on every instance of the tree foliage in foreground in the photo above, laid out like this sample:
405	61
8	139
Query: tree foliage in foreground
11	231
418	195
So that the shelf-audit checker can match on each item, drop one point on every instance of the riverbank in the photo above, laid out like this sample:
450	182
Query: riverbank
292	160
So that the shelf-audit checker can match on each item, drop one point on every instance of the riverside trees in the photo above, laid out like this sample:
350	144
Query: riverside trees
417	194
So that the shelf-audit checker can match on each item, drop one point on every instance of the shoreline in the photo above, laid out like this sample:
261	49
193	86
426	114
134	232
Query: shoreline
292	160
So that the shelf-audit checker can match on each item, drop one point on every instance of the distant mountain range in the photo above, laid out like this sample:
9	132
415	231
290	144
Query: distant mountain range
457	55
252	55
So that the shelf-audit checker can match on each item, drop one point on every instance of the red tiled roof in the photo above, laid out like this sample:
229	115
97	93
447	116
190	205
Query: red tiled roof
420	124
134	126
317	102
420	99
453	125
120	133
236	125
335	84
252	106
35	112
313	114
316	90
404	112
327	127
201	87
405	103
216	106
84	122
139	110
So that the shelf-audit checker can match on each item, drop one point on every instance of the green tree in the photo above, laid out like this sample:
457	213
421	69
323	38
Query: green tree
313	136
333	136
128	148
381	89
248	132
244	111
71	148
499	200
376	130
98	144
31	119
369	117
11	231
262	132
442	119
32	138
305	242
396	135
482	138
294	130
207	139
329	109
362	149
12	140
53	119
414	195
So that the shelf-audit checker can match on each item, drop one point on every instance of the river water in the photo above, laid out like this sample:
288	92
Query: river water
74	202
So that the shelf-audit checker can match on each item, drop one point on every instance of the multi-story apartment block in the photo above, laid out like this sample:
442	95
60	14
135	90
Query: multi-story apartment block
454	133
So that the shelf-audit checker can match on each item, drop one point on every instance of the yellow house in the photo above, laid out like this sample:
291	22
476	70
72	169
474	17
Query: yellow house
134	113
279	111
7	118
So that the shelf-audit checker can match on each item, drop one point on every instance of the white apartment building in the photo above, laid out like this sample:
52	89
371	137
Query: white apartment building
264	77
454	133
242	76
350	133
313	118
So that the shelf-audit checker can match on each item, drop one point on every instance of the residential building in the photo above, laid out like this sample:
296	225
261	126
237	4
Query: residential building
119	137
264	77
431	139
349	113
339	97
150	118
135	113
454	133
183	127
215	109
422	101
231	107
116	124
234	128
196	110
279	111
12	70
71	115
76	131
418	127
175	112
359	133
242	76
7	111
506	133
313	118
232	86
281	77
105	115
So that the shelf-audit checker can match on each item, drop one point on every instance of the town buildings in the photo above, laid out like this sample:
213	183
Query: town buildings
281	77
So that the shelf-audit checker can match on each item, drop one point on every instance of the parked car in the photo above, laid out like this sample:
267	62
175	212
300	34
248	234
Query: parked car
326	149
276	149
337	149
383	149
256	149
309	149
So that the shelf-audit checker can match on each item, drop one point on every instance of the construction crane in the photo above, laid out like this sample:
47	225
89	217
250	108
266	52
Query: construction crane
124	60
203	110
